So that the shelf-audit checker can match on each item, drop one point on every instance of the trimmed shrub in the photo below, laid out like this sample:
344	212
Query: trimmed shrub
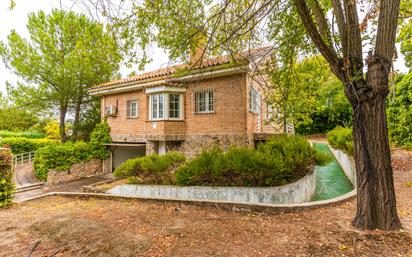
22	145
151	169
26	134
277	162
341	138
6	178
60	157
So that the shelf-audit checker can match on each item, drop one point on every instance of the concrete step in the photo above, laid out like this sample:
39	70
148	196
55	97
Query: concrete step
29	187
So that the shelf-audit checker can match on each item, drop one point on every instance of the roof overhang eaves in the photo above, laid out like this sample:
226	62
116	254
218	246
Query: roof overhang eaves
139	85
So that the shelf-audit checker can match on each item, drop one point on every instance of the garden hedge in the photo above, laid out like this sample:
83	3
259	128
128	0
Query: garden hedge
6	178
23	145
25	134
341	138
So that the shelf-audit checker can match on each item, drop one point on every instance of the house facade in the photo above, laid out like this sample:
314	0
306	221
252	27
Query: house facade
216	102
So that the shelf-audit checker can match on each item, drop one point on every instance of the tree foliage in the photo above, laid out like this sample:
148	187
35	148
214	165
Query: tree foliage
65	55
309	96
13	118
400	112
405	31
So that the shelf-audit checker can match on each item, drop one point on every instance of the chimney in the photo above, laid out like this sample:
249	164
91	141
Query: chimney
197	49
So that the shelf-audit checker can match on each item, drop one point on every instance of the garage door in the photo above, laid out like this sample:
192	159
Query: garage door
123	153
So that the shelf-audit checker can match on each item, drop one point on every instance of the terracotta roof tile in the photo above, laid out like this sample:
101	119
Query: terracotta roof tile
164	72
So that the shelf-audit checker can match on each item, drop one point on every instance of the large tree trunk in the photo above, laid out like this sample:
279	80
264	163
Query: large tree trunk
376	208
62	123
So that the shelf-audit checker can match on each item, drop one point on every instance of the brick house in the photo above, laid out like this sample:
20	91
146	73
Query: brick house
188	108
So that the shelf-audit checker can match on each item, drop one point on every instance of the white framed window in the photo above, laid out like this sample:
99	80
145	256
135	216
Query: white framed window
131	109
165	106
254	100
204	101
157	107
174	106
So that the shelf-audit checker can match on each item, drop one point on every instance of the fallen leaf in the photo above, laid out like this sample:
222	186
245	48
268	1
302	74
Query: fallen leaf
343	248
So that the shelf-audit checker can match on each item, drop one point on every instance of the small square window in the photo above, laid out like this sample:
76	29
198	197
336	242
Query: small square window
204	101
131	109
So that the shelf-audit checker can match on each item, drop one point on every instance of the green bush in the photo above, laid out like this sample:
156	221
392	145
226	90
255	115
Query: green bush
22	145
60	157
100	136
341	138
277	162
25	134
151	169
6	178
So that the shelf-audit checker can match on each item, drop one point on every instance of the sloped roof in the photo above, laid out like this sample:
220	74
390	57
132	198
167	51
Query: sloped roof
169	71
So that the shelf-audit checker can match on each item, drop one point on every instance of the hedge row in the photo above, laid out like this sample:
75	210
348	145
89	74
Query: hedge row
277	162
25	134
341	138
61	156
23	145
151	169
6	178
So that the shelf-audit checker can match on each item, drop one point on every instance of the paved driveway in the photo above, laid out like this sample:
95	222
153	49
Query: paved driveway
24	177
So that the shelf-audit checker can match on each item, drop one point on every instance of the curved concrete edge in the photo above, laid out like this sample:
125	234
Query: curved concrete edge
265	208
299	191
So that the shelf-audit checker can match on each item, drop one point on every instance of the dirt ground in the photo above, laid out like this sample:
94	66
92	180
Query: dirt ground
62	226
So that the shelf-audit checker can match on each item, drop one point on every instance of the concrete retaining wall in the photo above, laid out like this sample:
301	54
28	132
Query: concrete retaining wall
347	164
297	192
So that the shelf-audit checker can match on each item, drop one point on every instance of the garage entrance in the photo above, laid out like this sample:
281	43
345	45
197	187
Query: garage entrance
120	152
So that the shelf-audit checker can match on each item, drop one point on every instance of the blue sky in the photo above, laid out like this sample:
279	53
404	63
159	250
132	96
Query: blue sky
17	19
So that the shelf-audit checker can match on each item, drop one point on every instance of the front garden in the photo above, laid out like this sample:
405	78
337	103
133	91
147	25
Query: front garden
279	161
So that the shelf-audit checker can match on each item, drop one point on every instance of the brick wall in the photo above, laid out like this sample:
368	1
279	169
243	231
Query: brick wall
231	115
120	124
266	126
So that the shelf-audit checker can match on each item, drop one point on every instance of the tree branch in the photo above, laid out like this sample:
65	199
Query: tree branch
353	32
387	24
314	34
321	21
340	20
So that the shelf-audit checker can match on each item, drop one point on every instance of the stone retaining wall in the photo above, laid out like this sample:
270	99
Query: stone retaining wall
297	192
195	143
76	171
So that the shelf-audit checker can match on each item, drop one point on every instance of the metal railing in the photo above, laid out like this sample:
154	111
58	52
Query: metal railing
20	159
